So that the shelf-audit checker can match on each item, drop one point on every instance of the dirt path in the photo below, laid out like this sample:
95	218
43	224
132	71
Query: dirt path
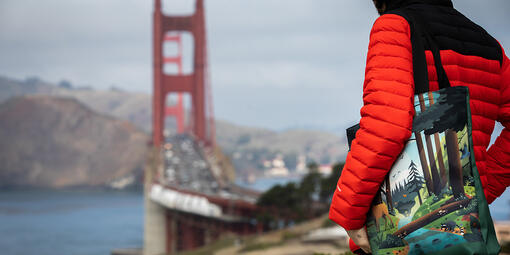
294	247
286	241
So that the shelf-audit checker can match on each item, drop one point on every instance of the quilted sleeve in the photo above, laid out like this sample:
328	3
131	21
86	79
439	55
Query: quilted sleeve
498	156
386	121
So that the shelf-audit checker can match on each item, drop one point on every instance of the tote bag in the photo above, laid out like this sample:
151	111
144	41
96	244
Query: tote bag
432	201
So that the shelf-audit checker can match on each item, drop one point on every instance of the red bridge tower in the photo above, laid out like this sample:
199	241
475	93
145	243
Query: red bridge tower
195	84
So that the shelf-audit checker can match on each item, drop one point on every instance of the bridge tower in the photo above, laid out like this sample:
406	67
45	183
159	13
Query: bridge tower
195	84
177	110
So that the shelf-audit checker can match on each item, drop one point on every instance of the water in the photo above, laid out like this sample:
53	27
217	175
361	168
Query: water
263	184
500	208
429	241
92	222
69	222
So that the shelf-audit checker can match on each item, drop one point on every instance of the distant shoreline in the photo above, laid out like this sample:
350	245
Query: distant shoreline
134	189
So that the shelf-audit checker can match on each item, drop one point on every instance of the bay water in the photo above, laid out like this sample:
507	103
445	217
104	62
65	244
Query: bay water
69	222
89	222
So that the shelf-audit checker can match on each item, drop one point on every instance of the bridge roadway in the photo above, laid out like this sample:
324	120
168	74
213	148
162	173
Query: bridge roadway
198	202
187	167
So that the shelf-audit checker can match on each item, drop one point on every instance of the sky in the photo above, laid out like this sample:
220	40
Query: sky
274	64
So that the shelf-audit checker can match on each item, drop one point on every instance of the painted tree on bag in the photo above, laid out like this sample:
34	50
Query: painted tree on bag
454	163
439	153
424	164
416	181
436	183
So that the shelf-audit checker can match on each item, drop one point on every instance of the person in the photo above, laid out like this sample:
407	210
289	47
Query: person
470	56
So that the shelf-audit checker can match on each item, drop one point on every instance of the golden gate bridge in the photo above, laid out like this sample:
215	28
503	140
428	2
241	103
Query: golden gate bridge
190	200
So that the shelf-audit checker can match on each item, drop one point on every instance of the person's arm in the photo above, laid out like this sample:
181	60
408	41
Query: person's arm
386	122
498	156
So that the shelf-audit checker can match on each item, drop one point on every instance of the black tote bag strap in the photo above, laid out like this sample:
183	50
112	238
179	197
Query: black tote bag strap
420	31
351	134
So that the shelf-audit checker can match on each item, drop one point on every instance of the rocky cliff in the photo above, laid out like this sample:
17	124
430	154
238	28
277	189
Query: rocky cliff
59	142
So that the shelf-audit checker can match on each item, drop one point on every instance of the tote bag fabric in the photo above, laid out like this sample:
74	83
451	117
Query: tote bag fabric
432	200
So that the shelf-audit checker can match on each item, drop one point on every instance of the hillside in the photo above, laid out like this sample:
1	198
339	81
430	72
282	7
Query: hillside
133	107
248	147
59	142
11	88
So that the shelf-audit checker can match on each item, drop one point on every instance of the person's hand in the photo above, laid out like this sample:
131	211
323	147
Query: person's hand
360	238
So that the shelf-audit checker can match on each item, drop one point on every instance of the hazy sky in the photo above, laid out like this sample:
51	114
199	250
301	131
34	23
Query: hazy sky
274	64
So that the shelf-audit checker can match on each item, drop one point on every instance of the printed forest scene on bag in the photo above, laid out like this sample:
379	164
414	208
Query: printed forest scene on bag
427	202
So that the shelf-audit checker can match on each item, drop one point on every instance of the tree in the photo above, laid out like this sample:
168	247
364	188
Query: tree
415	181
291	160
312	167
328	184
309	198
65	84
439	152
281	202
436	187
309	188
387	192
271	197
454	163
442	169
424	164
449	114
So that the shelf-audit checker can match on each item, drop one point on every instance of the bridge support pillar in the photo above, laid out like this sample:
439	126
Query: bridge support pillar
187	236
154	219
171	233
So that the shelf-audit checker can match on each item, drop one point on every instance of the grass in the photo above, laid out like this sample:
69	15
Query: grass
328	223
260	246
265	241
286	235
430	205
254	245
505	247
345	253
213	247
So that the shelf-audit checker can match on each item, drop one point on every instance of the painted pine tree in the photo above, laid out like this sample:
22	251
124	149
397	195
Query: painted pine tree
416	181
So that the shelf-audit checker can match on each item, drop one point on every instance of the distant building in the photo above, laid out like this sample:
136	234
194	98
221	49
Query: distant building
301	165
325	169
267	163
278	162
277	172
276	167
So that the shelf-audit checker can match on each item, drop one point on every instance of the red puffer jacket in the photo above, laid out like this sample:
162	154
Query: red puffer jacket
470	57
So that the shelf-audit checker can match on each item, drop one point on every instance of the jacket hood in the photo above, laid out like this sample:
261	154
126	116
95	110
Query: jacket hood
395	4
